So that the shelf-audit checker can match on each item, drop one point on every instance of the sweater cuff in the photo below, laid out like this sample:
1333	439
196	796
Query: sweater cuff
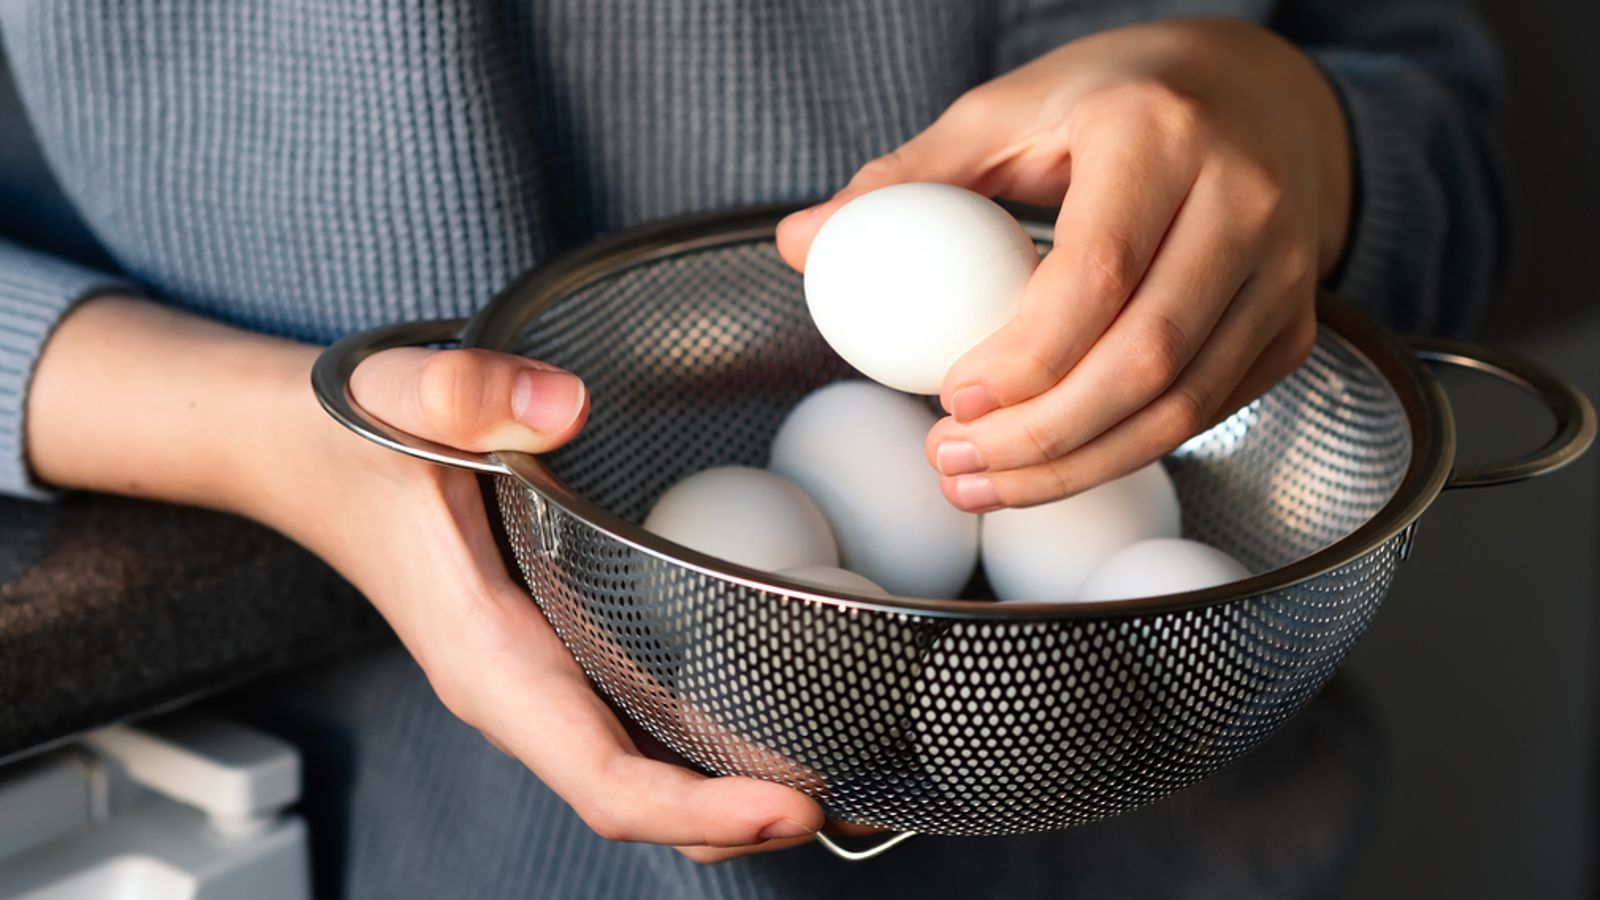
36	291
1394	197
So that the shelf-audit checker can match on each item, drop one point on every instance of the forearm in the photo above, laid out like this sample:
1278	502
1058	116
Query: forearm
131	397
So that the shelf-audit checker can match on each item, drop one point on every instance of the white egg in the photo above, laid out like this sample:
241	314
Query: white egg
1161	566
904	280
747	516
1045	553
834	579
856	447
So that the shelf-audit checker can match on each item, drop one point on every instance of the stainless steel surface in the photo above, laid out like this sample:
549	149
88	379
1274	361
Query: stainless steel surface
877	848
330	378
1495	620
1574	414
936	715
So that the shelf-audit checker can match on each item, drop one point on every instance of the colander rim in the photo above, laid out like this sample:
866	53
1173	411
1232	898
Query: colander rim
498	324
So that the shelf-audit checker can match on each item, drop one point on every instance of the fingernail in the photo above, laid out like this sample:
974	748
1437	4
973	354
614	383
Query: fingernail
547	401
971	402
783	828
976	493
959	458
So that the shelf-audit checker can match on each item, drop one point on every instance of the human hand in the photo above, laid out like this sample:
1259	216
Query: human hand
415	539
416	542
1203	174
137	398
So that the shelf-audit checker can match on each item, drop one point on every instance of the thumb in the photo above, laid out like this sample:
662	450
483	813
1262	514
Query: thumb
956	149
472	399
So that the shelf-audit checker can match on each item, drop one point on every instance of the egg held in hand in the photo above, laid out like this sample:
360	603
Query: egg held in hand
904	280
1161	566
746	516
1046	553
857	448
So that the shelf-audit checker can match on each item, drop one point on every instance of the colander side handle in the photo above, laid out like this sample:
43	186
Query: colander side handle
330	379
888	843
1574	414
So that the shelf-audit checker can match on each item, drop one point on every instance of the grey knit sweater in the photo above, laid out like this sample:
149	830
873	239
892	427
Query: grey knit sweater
308	167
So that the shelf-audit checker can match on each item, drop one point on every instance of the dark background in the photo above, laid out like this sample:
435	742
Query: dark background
1553	133
1482	665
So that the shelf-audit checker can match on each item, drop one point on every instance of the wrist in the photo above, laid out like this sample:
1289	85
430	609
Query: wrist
302	473
270	465
258	434
1336	179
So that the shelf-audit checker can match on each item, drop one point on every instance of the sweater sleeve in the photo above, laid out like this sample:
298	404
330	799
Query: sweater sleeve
1419	82
36	291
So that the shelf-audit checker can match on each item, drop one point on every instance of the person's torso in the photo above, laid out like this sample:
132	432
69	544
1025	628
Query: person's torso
310	168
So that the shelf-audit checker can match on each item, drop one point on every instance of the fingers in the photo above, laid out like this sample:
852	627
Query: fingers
719	854
539	706
645	800
1281	357
472	399
1129	181
1254	346
710	855
496	663
1171	315
953	150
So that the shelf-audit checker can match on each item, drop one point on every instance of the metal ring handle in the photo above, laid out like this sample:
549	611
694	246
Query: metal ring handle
330	378
1575	417
881	847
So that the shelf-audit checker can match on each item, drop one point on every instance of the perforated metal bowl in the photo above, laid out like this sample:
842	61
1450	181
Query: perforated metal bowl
937	715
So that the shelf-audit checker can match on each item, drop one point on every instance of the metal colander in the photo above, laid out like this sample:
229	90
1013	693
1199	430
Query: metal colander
936	715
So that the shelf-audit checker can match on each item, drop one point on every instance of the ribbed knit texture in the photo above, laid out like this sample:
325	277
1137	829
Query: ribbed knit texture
309	167
1419	83
35	292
